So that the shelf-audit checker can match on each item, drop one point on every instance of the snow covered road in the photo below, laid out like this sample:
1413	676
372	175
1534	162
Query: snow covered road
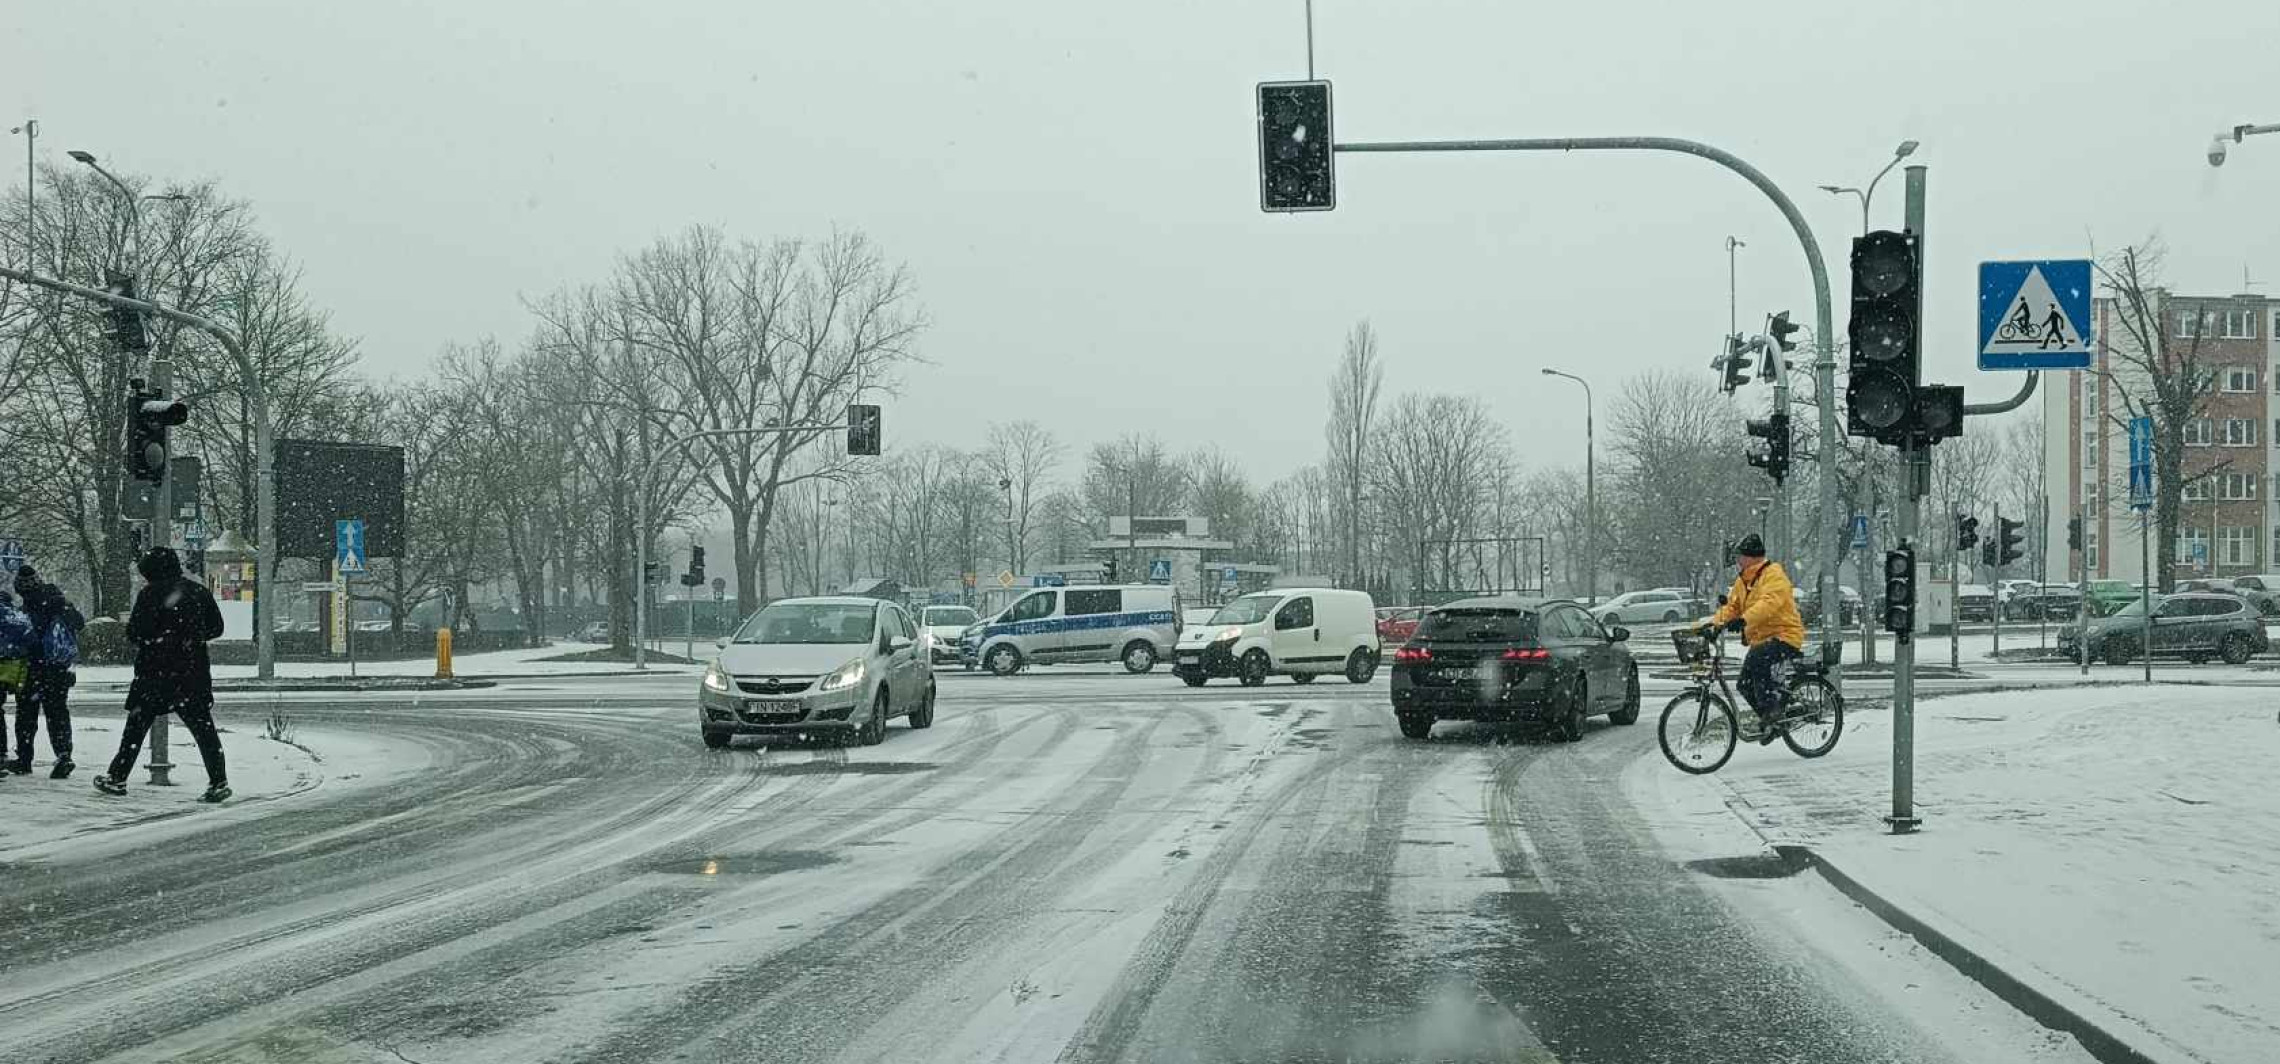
1071	866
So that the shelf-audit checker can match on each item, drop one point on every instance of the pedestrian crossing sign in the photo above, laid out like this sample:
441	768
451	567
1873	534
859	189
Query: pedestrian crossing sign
2034	314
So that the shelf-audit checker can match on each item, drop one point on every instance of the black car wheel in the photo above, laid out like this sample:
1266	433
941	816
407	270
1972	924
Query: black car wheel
1415	725
1254	669
874	729
1302	677
1670	616
717	740
1139	656
1629	714
2238	648
1004	660
1567	722
2119	650
1193	679
1361	665
923	716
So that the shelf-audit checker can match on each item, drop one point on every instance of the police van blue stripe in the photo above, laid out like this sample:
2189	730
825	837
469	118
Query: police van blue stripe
1078	624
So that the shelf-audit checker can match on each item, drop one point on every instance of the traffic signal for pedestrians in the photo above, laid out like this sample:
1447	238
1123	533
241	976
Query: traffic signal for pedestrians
1900	591
1296	172
149	415
1775	458
2012	534
2074	533
863	428
1966	532
126	332
1887	306
1736	363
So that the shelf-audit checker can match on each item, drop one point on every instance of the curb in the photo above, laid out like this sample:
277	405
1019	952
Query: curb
2012	990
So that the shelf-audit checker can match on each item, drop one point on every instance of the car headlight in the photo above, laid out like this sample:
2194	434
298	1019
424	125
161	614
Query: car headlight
843	677
1228	634
715	678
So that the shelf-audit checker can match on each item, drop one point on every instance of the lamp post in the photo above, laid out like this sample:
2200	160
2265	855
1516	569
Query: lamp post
1868	195
1590	493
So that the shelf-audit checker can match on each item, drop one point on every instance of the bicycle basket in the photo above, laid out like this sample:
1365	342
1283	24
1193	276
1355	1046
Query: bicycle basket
1692	647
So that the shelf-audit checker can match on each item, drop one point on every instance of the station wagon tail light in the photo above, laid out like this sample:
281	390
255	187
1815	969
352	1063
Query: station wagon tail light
1412	656
1527	654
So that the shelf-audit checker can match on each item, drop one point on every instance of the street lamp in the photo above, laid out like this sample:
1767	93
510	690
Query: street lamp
2237	133
1590	494
1906	149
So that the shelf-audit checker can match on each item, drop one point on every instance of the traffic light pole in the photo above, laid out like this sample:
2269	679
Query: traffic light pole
1915	471
641	522
1824	329
161	528
257	402
1995	589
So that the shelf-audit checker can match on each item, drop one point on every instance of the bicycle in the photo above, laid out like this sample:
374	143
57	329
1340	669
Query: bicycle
1700	740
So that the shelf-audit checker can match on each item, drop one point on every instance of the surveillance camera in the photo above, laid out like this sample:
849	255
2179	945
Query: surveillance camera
2217	152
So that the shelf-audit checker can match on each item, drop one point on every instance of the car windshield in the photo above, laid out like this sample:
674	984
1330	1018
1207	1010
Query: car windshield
1250	609
810	622
949	615
1478	625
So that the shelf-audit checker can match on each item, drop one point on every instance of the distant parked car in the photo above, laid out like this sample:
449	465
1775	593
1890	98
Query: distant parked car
2046	602
2262	591
2193	626
1395	624
1848	605
597	632
2103	597
1974	602
943	626
1662	605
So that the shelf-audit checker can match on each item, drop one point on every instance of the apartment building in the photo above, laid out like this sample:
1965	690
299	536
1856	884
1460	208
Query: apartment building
2230	518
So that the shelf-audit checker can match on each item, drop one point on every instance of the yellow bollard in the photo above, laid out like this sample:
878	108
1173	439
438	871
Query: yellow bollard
443	653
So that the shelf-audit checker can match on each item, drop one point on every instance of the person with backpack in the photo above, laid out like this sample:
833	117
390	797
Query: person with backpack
15	652
48	680
173	619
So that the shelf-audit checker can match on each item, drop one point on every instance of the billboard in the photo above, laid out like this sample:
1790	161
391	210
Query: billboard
319	484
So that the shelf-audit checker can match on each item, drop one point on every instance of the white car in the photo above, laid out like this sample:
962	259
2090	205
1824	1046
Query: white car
1663	605
818	666
1136	624
1301	633
944	625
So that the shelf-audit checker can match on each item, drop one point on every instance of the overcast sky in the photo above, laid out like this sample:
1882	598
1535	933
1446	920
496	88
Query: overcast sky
1075	184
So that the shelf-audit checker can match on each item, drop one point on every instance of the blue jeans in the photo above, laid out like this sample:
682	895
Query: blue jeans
1759	681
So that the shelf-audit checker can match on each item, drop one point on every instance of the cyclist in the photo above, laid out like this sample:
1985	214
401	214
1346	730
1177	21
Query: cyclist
1762	605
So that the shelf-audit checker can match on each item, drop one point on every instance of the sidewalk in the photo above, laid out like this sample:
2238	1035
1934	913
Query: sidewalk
2115	849
487	665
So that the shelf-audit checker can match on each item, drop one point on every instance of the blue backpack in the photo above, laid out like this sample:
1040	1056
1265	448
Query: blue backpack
59	645
16	641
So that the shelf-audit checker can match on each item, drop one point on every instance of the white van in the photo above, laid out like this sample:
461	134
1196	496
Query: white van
1299	632
1137	625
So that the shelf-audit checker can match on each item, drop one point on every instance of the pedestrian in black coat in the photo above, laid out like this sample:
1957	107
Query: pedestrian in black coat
173	620
48	676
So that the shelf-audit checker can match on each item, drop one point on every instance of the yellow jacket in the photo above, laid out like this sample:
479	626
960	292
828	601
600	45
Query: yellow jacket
1766	602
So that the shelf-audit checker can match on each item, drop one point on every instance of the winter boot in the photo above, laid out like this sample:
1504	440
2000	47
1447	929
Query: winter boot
108	785
21	766
216	793
62	769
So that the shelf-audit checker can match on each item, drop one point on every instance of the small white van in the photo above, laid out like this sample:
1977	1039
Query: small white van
1136	625
1299	632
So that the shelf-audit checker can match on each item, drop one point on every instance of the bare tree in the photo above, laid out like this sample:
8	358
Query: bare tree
1354	390
1023	456
1432	463
1680	489
2161	372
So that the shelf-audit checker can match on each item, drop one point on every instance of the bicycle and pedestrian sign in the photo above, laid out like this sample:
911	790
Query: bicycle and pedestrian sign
2034	314
2141	464
348	545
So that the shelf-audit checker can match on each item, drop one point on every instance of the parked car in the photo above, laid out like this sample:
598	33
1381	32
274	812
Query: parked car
2007	589
1505	658
2044	602
1662	605
1301	633
2103	597
839	666
2193	626
1395	624
1974	602
1848	605
1137	625
597	632
945	626
2262	591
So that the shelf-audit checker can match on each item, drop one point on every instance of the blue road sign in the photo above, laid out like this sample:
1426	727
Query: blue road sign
11	554
348	545
2141	463
2034	315
1160	571
1229	576
1860	532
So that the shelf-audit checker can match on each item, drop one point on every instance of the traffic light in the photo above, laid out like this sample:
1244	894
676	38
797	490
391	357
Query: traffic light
1295	168
1887	305
695	577
863	428
1777	330
1939	412
1966	532
1736	363
653	573
1900	591
1988	556
149	415
126	330
1774	431
2012	534
2074	533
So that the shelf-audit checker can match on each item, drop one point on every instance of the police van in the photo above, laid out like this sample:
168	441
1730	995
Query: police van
1137	625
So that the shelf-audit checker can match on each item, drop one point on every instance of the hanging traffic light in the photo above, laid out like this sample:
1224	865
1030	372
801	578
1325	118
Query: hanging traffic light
1966	532
126	331
2012	535
2074	533
863	428
1900	591
1735	363
1887	305
1296	172
1774	459
149	415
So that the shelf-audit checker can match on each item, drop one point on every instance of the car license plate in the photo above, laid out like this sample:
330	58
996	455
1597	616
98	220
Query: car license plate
772	705
1476	672
1189	655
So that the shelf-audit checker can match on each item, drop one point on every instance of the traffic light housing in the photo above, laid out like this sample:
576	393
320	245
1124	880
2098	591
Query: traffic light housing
1988	555
1735	364
1886	357
1296	168
1780	329
653	573
1900	591
1774	431
2012	535
149	415
1966	532
863	428
126	331
695	577
2074	533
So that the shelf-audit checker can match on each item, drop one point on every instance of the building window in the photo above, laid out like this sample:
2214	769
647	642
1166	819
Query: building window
2189	324
2276	373
2195	490
2198	432
2236	545
2240	325
2192	545
2240	379
2238	487
2090	402
2240	432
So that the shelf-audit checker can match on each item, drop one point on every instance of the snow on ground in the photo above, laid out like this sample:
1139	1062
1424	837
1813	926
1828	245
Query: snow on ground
2114	847
47	816
524	662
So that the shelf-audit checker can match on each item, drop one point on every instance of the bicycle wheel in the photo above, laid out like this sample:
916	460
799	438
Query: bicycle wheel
1697	732
1816	717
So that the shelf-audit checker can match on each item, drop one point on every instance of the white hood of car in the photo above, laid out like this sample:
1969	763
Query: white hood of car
788	659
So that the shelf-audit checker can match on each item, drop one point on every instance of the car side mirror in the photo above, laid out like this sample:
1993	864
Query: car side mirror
896	642
1618	634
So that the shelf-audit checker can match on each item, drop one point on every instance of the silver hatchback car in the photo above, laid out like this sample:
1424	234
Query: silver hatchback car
818	666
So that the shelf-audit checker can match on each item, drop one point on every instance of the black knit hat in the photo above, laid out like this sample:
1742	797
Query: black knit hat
1750	546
